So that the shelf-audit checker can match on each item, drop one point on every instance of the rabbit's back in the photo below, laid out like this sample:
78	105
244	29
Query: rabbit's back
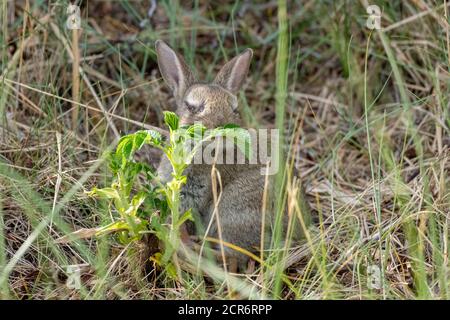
240	189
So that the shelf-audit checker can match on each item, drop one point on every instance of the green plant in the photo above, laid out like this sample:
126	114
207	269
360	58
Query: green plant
152	206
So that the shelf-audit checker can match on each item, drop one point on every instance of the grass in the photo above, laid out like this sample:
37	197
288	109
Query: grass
365	122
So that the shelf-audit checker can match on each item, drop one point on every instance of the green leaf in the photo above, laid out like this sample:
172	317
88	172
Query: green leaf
171	270
125	147
112	227
139	139
106	193
171	120
186	216
136	202
169	267
115	162
153	138
85	233
196	130
231	126
131	143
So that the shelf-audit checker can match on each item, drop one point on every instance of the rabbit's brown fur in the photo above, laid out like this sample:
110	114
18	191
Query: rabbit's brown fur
242	185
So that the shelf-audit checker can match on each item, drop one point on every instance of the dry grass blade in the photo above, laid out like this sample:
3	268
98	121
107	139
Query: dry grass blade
84	233
86	80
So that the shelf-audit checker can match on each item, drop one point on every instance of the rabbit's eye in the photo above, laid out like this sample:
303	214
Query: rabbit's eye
194	108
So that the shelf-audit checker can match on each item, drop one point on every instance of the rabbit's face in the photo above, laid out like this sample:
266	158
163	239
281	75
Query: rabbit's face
212	104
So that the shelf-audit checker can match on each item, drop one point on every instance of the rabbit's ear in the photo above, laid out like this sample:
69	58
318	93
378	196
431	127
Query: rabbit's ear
233	73
174	69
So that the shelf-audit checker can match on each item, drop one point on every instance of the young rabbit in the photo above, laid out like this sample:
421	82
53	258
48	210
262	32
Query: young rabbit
242	185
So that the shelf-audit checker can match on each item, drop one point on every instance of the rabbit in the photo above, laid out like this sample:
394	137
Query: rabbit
242	185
